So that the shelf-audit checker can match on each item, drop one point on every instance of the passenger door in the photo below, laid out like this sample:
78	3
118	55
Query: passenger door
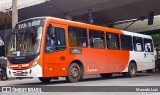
149	54
53	60
114	54
138	55
96	53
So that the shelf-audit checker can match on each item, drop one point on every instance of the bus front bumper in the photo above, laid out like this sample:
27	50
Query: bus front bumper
35	71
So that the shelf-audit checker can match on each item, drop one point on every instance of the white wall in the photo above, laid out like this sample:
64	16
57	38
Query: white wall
6	4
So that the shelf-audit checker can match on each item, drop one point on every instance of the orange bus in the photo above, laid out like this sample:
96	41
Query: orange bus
48	47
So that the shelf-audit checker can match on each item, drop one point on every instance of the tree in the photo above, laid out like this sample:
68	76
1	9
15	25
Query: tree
156	40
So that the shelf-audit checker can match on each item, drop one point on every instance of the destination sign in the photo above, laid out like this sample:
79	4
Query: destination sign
29	24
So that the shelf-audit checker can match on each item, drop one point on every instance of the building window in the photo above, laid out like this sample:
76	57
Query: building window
138	44
148	45
96	39
112	41
126	42
77	37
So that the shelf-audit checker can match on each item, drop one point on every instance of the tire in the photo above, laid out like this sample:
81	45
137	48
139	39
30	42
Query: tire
149	71
106	75
132	70
75	73
82	76
45	80
4	77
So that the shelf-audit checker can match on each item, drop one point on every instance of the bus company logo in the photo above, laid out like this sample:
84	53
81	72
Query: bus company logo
92	69
6	89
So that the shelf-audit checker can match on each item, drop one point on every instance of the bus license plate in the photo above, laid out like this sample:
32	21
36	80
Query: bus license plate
19	72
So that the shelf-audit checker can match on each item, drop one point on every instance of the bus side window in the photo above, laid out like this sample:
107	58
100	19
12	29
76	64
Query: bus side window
112	41
55	39
50	42
77	36
126	42
138	44
96	39
148	46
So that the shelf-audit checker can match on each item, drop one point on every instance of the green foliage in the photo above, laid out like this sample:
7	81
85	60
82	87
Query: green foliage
156	39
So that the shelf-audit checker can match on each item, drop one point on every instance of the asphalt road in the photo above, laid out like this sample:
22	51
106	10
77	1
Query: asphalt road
142	79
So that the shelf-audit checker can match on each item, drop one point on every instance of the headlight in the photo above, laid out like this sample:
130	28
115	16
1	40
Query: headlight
35	61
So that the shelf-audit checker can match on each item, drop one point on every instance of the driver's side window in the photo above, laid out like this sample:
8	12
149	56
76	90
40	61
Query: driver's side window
50	40
55	39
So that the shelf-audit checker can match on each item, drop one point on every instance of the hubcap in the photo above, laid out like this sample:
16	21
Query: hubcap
133	70
74	72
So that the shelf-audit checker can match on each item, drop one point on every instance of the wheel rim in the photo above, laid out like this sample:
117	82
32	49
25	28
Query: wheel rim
74	72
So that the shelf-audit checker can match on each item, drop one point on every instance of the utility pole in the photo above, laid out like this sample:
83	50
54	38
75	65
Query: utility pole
14	19
14	13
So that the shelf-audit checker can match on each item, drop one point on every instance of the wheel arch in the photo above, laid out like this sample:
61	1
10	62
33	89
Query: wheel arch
133	61
79	63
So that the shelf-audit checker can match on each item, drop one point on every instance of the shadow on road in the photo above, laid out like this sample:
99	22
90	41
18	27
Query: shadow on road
116	76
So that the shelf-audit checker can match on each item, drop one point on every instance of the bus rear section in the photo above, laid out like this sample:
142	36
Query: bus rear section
50	47
142	51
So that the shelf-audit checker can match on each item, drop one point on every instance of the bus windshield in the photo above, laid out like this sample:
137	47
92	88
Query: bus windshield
25	42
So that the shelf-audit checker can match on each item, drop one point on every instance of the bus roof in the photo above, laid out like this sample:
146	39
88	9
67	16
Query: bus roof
89	26
136	34
84	25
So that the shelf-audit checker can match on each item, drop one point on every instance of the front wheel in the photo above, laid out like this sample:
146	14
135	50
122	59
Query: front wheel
74	73
45	80
4	77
